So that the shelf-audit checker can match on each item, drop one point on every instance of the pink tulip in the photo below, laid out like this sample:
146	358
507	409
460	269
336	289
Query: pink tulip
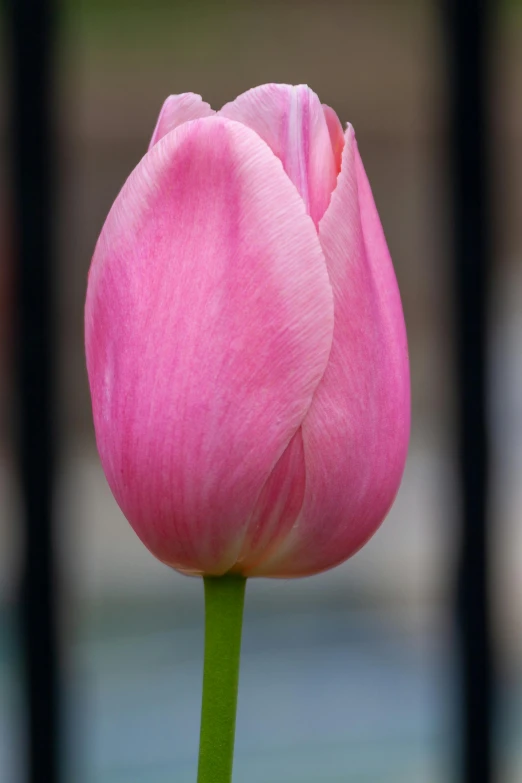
245	341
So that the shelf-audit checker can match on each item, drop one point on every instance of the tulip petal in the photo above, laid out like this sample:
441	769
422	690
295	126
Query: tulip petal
277	508
209	320
292	122
178	109
356	433
335	129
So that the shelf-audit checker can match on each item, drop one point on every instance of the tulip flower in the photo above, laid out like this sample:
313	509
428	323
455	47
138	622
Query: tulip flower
246	347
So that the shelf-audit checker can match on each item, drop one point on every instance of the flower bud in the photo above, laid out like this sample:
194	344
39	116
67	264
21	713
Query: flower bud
246	347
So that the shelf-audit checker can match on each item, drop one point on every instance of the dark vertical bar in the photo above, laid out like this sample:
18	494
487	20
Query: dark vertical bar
468	32
31	43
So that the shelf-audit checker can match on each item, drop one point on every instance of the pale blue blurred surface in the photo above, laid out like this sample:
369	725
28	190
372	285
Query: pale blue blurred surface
322	697
327	694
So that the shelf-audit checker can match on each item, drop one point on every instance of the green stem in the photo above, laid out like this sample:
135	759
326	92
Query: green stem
224	600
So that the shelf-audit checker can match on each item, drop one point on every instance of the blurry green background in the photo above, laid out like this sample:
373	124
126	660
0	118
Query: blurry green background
348	676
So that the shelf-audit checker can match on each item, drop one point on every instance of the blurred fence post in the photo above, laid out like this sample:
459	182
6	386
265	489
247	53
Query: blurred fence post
468	31
31	46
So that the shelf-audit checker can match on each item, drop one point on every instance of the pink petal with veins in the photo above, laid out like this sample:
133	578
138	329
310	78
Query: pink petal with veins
292	122
178	109
209	320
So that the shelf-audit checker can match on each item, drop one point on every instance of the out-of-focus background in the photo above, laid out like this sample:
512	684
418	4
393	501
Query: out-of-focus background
347	676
